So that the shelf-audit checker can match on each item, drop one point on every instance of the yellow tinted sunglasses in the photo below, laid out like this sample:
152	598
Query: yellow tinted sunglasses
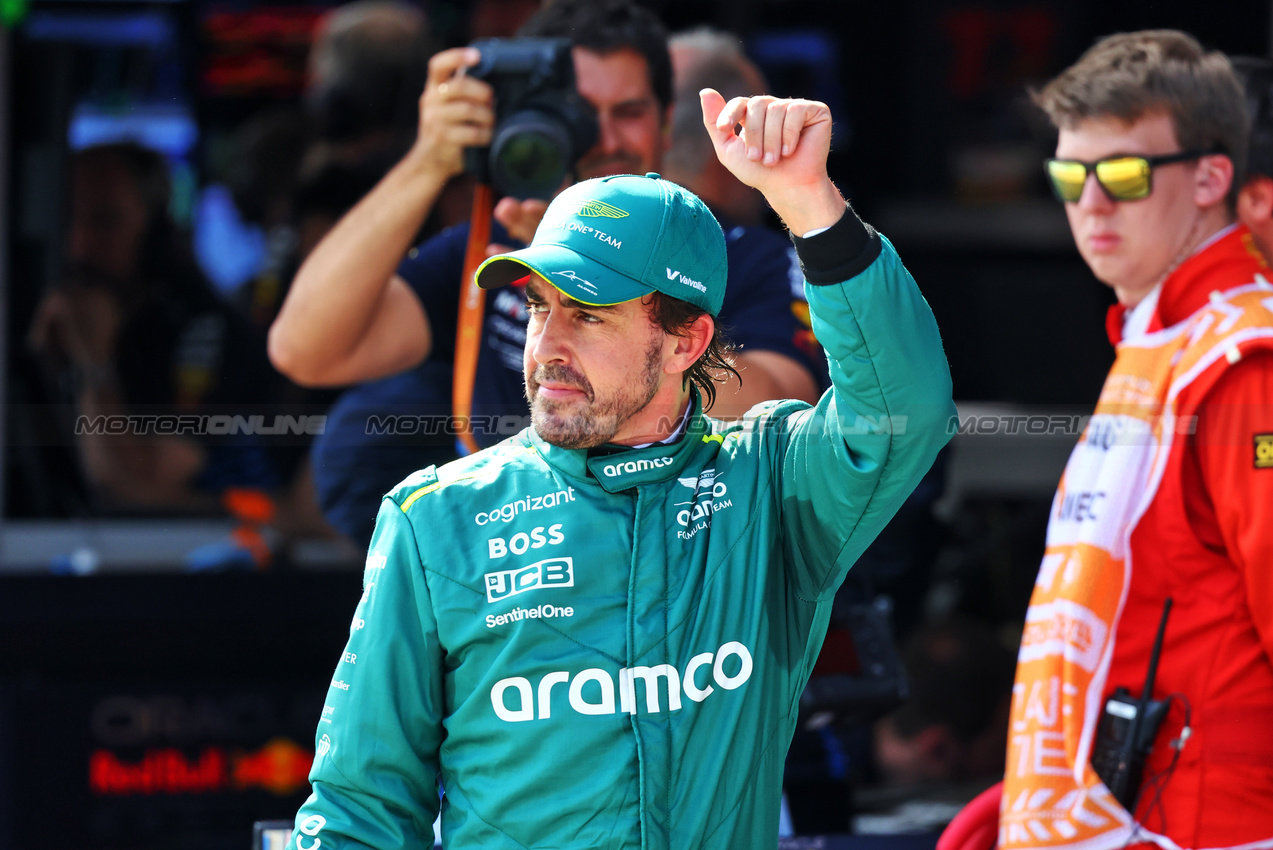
1122	178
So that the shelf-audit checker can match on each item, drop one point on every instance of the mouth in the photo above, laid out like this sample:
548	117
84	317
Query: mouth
1102	243
559	392
559	386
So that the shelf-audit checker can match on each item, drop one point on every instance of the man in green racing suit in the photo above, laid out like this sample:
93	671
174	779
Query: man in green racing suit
596	633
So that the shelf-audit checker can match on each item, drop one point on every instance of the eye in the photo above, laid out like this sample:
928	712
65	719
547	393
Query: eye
632	111
590	319
536	307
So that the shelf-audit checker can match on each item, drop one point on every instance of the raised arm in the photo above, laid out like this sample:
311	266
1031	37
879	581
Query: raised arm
348	317
850	462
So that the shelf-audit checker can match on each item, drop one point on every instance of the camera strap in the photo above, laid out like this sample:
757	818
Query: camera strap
468	329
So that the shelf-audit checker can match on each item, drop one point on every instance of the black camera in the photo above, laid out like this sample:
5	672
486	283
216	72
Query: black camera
542	125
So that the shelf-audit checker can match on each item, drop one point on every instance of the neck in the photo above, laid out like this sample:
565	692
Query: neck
655	422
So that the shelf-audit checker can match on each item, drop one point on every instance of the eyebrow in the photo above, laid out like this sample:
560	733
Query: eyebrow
636	103
532	294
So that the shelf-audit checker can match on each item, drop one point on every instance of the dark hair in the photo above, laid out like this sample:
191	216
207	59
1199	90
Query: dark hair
1256	74
674	316
165	256
369	62
959	672
606	26
1128	75
146	168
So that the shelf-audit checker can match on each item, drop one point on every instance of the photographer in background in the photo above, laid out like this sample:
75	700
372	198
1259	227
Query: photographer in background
357	312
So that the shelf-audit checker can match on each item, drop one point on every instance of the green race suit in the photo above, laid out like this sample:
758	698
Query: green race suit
607	650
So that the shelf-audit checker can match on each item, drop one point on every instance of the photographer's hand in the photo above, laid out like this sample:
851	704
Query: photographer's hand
520	219
348	317
456	112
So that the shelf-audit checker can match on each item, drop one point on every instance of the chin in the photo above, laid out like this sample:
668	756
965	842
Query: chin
1107	272
565	432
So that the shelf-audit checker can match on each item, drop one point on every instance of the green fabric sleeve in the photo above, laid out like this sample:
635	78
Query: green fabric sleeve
375	773
852	460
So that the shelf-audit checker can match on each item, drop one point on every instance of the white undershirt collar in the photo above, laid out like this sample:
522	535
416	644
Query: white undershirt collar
676	432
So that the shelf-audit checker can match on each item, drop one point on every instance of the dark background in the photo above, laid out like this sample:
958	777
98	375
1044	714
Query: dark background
935	144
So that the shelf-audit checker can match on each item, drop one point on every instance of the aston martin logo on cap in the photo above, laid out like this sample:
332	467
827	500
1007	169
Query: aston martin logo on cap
598	209
585	285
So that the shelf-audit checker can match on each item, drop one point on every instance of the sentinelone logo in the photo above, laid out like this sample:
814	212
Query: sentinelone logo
730	667
199	425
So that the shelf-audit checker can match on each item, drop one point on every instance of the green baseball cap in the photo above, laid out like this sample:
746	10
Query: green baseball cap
613	239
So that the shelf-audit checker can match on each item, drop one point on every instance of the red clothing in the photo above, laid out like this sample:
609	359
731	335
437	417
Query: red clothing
1219	561
1165	496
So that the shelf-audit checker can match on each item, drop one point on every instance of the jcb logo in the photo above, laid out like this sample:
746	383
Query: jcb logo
551	572
1264	451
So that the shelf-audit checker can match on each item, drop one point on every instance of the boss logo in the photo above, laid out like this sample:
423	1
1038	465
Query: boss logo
551	572
521	542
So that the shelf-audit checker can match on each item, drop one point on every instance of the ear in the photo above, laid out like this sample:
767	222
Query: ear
689	345
1212	178
1255	202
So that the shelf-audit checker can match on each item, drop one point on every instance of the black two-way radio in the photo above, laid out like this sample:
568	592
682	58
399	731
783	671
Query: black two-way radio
1127	728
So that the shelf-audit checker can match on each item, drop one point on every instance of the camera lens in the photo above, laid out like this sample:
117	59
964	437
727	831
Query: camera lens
530	156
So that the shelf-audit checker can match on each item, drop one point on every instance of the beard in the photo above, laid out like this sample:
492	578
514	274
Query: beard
593	421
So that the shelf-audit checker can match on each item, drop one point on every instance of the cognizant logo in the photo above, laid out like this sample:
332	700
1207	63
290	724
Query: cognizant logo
529	503
728	667
613	470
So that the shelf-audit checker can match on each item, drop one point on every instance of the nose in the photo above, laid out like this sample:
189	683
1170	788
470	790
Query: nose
550	342
608	139
1093	197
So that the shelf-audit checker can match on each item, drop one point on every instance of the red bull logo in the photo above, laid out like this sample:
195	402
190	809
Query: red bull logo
280	767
